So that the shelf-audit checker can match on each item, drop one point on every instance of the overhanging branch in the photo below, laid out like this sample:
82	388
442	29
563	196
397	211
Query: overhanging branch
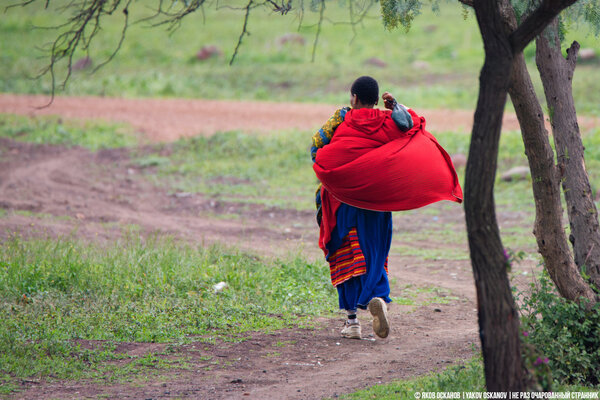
535	23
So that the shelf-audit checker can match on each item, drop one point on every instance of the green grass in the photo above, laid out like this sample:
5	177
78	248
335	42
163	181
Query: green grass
467	378
591	143
154	63
93	135
276	169
435	64
273	170
437	253
411	295
56	292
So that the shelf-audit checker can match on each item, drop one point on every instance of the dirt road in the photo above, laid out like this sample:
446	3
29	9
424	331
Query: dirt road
93	195
165	120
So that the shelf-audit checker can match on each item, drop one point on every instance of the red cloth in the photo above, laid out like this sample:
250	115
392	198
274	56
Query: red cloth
370	163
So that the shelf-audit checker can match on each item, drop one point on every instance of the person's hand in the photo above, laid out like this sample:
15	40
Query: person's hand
388	100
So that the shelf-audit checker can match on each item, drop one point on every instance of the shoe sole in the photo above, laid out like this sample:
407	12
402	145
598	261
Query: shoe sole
378	310
351	336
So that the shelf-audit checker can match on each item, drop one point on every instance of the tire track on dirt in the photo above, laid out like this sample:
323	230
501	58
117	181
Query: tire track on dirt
99	193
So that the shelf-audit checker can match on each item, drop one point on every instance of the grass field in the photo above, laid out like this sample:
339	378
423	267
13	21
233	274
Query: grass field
57	292
434	65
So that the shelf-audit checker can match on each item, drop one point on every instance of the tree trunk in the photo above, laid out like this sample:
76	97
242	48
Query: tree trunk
556	73
548	229
498	319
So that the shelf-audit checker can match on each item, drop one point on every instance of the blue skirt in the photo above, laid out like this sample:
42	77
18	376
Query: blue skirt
374	230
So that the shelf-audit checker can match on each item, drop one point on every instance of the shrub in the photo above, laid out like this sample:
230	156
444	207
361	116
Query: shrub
565	335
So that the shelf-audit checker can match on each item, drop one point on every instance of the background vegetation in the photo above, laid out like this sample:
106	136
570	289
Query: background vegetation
435	64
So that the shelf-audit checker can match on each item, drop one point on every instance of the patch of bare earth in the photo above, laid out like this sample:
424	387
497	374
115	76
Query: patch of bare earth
165	120
58	191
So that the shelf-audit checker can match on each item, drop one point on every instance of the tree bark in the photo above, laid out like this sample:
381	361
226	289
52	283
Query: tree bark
556	73
498	319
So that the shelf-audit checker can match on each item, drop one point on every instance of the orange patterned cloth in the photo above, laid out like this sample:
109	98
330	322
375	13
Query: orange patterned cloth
348	260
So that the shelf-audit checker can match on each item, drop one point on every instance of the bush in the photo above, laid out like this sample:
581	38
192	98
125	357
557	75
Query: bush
565	335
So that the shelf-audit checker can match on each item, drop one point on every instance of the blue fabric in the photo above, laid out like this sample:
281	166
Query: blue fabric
374	230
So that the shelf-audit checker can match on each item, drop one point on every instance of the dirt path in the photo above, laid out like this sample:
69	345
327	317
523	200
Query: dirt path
51	190
165	120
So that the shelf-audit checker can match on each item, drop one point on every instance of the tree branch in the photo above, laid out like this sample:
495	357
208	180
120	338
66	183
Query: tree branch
535	23
572	55
283	8
22	4
121	40
301	15
66	43
173	19
352	21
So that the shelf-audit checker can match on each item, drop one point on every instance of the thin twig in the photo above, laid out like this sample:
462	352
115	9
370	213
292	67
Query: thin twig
244	32
283	8
301	12
21	4
121	40
352	22
321	12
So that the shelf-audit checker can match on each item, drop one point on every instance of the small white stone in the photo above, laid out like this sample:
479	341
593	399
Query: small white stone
219	287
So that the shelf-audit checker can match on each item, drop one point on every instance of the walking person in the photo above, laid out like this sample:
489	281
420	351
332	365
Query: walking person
371	162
